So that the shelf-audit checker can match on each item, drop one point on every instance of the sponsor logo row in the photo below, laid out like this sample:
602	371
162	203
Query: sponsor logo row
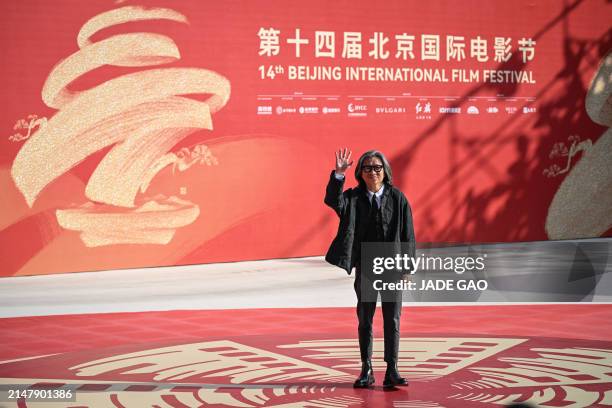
422	110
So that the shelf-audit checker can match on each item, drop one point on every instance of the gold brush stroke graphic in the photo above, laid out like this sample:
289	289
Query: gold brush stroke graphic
140	114
420	359
582	206
565	368
139	225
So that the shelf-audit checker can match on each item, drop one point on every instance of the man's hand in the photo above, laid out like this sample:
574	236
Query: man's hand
343	160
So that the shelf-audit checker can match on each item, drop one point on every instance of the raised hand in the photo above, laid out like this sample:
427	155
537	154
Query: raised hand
343	160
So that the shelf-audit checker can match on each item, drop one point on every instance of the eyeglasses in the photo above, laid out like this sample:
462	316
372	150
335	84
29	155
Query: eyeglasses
368	169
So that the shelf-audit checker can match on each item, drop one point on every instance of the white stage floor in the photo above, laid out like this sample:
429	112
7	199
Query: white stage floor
296	282
280	283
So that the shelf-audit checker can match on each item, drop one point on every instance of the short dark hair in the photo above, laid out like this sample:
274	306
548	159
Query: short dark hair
368	155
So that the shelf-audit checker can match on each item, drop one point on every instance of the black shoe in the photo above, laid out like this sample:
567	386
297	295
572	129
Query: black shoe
393	377
366	378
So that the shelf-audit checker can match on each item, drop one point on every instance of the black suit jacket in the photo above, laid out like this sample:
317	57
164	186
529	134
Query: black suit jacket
352	206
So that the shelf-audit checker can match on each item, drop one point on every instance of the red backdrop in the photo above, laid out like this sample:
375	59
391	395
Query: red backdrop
480	159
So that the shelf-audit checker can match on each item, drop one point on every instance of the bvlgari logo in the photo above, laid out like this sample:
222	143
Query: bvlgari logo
390	109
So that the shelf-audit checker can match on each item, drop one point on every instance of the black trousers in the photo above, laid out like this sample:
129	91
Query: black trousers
392	310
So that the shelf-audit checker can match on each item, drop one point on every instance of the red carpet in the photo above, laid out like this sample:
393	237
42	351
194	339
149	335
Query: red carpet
455	356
